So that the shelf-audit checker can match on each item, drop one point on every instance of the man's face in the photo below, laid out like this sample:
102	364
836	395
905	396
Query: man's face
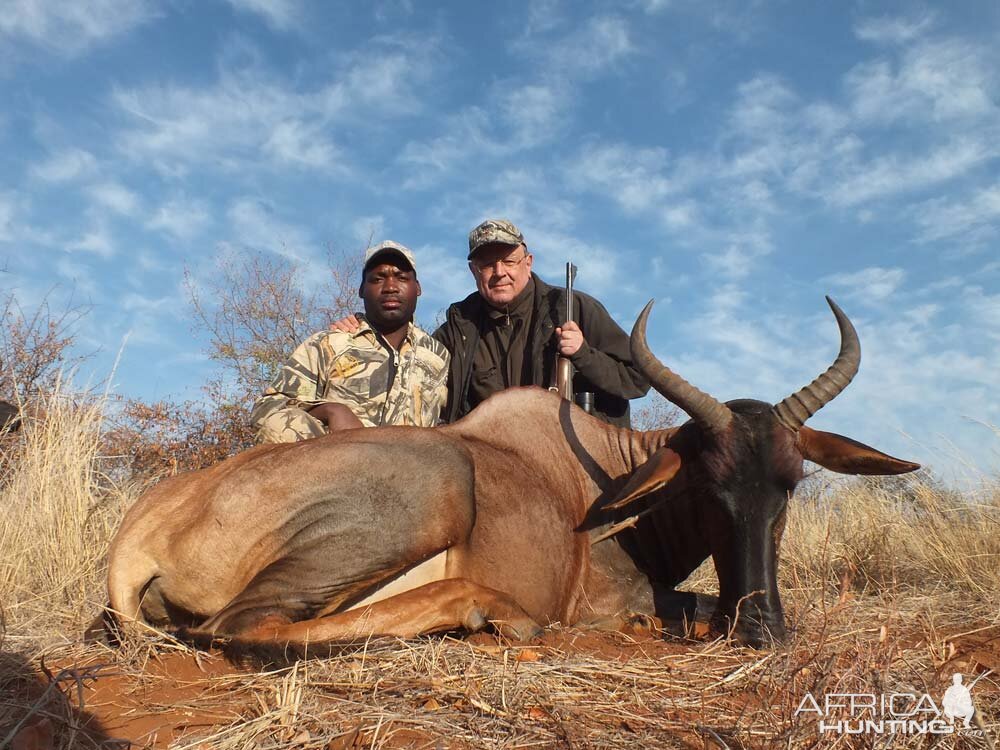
501	272
390	290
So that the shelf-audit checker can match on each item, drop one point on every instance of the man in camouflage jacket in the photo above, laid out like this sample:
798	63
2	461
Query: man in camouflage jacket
386	372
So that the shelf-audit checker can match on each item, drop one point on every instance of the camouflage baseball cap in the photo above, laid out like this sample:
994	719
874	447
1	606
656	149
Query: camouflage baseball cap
388	247
494	232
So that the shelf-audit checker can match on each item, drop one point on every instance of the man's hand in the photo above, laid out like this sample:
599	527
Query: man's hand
350	324
570	339
335	417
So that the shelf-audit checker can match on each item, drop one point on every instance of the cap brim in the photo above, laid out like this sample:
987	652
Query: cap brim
381	255
504	243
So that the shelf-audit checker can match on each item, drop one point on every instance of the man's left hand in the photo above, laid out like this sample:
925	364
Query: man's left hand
570	339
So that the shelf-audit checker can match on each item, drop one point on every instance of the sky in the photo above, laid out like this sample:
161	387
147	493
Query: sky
735	161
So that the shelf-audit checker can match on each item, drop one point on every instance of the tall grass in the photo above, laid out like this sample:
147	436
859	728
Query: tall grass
59	513
879	534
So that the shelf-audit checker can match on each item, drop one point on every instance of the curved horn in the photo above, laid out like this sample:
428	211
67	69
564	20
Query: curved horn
712	415
797	408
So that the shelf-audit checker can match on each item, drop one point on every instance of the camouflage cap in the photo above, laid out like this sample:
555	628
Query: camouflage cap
388	247
494	232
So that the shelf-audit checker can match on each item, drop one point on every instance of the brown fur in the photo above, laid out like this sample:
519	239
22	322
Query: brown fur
299	531
486	521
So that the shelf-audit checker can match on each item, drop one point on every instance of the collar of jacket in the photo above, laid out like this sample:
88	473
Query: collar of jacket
369	333
546	305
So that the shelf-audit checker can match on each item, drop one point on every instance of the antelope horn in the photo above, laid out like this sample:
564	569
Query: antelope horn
797	408
712	415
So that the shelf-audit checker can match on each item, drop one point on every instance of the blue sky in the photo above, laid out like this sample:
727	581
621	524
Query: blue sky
735	161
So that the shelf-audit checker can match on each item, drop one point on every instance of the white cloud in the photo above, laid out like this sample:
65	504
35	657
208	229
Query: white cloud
923	315
516	118
522	113
15	209
79	274
386	10
524	195
444	278
939	81
534	111
543	16
115	196
384	79
897	173
68	28
734	262
599	268
297	143
65	166
279	14
726	323
984	308
6	219
990	268
592	47
134	302
246	113
256	225
893	29
681	215
808	148
96	241
182	217
601	43
655	6
466	139
873	284
939	98
370	230
762	107
741	248
633	177
824	120
976	214
756	195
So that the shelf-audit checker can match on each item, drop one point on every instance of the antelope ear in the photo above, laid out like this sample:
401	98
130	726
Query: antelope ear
651	476
846	456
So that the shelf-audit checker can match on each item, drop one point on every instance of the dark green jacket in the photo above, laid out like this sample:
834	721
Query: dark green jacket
603	364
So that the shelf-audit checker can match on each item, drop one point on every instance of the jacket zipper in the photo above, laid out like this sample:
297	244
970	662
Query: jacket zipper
393	367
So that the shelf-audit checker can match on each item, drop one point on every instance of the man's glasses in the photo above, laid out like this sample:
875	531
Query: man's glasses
506	263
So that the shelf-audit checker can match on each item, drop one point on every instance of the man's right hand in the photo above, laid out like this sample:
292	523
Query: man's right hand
335	416
350	324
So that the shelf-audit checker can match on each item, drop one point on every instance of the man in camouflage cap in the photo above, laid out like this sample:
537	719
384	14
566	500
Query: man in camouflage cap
388	371
511	332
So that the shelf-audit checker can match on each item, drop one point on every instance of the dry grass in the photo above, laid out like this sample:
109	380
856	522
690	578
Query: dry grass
60	512
898	533
889	586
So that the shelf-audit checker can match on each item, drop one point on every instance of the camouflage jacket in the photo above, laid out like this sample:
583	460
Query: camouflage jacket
381	386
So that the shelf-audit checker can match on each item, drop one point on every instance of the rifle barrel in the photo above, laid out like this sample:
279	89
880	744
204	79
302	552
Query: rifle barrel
570	277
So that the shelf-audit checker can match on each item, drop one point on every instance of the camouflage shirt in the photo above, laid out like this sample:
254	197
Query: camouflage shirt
380	385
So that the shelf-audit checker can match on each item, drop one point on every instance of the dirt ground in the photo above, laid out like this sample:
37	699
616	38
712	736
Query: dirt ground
571	689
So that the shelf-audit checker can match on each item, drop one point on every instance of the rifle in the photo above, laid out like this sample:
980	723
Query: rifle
564	368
